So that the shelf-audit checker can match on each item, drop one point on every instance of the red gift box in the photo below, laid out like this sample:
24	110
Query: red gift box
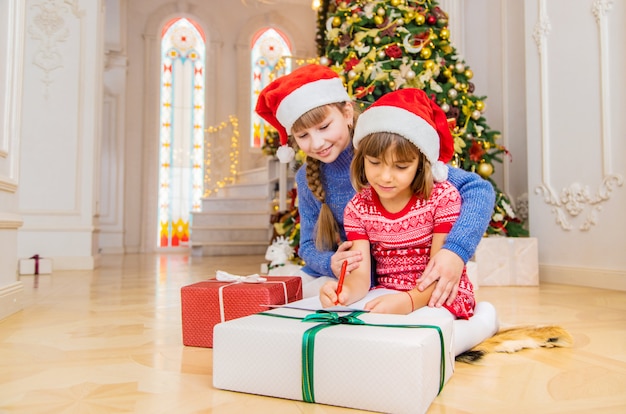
205	304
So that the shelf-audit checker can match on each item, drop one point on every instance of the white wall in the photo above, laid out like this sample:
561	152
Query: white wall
112	154
11	49
60	132
493	46
576	139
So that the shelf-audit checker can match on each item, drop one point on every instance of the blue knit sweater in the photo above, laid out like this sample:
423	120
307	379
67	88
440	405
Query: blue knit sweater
477	196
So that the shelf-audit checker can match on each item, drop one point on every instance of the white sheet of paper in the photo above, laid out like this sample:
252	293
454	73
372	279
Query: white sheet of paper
313	303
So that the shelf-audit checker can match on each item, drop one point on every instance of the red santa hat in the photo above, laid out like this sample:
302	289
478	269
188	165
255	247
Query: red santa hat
286	99
409	112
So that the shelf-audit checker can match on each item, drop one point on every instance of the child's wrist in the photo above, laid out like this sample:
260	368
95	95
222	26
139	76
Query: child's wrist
411	299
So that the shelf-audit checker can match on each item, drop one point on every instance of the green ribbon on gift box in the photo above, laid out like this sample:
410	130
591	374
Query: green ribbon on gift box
328	319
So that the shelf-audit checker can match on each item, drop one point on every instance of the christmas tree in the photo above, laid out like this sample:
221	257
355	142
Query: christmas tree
384	45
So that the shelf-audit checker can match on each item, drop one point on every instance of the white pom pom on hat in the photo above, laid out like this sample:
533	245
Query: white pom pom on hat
410	113
286	99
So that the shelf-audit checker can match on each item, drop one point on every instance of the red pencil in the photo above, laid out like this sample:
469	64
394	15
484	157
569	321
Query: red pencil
344	266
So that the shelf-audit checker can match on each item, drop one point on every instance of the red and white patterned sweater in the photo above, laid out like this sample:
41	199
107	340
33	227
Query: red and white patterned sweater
400	242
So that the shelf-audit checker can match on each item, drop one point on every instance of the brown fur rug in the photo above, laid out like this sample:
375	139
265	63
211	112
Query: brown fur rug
517	338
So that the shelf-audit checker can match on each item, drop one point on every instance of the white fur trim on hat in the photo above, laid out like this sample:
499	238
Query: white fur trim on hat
439	171
285	154
309	96
406	123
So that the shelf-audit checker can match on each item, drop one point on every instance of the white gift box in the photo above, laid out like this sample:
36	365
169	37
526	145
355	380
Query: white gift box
398	366
28	266
508	261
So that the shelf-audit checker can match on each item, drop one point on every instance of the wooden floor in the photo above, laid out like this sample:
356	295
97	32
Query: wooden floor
109	341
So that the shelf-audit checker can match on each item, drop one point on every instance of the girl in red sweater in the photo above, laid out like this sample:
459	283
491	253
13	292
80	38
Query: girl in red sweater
404	206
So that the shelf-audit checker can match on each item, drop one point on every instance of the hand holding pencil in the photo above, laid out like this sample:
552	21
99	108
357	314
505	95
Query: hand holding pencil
344	266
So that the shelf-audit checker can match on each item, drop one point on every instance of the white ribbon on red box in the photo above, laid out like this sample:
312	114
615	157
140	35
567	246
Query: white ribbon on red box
222	276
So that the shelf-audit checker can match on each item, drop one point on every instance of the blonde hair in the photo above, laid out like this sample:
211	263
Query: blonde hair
327	235
391	147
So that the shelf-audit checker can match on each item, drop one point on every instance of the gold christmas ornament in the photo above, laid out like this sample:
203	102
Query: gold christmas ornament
377	40
336	21
484	169
420	19
425	53
480	105
469	74
444	34
447	73
396	3
459	67
380	11
429	64
378	20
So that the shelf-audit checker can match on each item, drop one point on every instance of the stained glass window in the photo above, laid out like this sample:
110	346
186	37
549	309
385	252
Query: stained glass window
268	46
181	133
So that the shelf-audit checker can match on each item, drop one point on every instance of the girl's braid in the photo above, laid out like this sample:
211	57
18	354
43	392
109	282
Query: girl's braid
327	229
314	179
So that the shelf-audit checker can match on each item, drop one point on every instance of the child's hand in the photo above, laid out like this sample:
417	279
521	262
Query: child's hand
398	303
328	295
343	253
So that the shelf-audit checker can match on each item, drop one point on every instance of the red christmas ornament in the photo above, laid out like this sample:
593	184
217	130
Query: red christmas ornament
393	51
476	151
351	63
431	20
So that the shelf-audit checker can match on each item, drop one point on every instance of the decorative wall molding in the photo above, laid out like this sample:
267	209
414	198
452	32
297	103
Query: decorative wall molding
11	81
8	185
583	276
10	221
49	28
11	299
600	8
576	199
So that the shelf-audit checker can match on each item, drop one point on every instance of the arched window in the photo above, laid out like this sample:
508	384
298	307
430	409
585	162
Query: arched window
181	136
268	46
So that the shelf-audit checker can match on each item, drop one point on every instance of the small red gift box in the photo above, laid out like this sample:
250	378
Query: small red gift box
205	304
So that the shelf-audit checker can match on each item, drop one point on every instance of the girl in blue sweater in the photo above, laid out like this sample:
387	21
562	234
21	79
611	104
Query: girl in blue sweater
312	106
